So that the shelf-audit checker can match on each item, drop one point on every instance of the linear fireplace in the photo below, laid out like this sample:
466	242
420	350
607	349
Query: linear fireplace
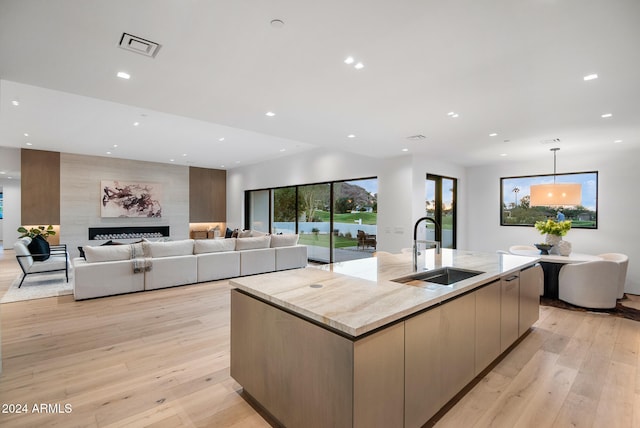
128	232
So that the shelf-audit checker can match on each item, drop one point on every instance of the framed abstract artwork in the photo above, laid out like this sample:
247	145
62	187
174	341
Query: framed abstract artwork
125	199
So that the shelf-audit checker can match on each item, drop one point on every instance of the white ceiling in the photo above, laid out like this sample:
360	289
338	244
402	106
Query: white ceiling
511	67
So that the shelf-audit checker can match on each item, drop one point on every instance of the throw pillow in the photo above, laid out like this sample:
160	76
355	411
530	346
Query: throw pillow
228	233
39	248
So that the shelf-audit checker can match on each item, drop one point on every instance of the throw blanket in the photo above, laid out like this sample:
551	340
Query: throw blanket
140	262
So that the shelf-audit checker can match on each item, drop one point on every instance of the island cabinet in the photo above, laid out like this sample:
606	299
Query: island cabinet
487	325
531	287
509	310
309	367
308	376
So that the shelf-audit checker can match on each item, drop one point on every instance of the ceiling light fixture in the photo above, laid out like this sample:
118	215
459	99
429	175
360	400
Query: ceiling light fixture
283	150
123	75
15	103
270	114
405	150
556	194
493	134
359	66
29	144
136	123
26	134
606	115
349	60
617	141
351	136
590	77
108	153
221	139
172	160
115	145
503	154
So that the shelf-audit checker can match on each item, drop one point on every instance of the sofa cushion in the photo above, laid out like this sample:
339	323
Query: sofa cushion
253	243
202	246
244	233
170	249
288	240
109	253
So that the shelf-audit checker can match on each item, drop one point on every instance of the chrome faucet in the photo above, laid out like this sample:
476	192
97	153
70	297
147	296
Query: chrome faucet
416	241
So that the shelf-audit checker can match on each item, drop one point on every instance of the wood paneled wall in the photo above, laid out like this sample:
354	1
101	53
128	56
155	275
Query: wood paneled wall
40	187
207	195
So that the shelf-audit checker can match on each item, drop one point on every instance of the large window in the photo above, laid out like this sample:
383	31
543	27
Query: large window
515	200
336	220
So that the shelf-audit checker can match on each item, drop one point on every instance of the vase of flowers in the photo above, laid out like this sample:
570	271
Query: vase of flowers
555	230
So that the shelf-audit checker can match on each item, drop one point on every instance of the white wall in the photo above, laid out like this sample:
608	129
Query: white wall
618	205
401	187
80	196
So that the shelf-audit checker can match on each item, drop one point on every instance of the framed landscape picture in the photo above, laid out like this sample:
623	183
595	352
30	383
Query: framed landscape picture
123	199
516	208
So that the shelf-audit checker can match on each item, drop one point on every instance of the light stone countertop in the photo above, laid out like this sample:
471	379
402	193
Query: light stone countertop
358	296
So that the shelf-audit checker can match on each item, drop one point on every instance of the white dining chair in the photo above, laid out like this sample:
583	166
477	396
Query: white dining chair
589	284
623	263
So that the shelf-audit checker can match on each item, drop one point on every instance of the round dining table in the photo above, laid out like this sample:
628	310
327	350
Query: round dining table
551	265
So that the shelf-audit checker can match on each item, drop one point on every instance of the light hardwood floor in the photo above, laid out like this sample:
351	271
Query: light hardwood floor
161	358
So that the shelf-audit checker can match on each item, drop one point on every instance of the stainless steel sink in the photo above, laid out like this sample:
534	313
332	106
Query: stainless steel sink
443	276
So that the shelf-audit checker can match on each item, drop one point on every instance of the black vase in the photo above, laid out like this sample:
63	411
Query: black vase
39	246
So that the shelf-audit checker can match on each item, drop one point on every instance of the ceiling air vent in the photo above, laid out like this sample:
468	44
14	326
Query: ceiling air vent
552	141
416	137
139	45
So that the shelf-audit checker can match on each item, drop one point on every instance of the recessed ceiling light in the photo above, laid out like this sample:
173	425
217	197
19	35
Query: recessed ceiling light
283	150
172	160
349	60
590	77
26	134
184	154
351	136
2	172
405	150
29	144
123	75
493	134
455	115
606	115
503	154
451	113
15	102
221	139
108	153
9	178
618	141
221	166
270	114
115	145
136	123
359	66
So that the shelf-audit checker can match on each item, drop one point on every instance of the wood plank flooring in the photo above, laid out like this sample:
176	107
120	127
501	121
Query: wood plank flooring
161	359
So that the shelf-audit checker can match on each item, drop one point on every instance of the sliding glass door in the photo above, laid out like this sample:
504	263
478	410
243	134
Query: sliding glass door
336	220
441	205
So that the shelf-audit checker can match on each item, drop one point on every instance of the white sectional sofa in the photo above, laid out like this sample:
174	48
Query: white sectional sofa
109	270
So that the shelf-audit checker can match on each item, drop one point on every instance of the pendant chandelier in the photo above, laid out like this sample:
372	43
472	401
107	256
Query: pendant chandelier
556	194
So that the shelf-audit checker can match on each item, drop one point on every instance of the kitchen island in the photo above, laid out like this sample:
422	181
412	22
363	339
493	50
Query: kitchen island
360	344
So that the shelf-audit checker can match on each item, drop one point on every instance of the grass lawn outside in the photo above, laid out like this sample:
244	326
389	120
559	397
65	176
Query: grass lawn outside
322	240
367	218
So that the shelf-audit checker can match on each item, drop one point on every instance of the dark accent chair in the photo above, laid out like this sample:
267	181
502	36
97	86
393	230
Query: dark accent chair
366	240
